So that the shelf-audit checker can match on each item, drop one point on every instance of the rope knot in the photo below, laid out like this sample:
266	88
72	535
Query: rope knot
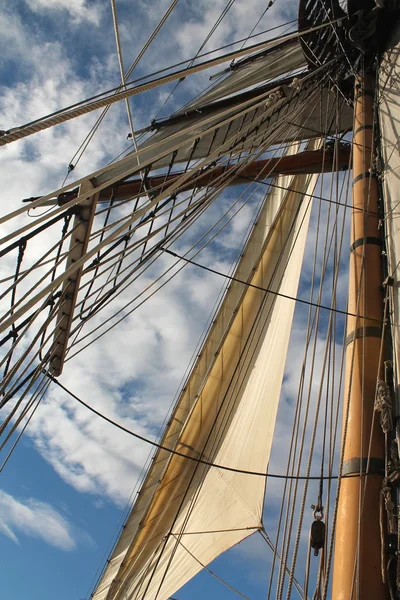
296	83
273	97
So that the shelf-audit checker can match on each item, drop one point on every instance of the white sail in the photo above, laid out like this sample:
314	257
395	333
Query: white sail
286	57
291	115
186	513
389	100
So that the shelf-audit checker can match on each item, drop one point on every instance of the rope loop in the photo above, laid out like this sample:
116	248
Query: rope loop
318	513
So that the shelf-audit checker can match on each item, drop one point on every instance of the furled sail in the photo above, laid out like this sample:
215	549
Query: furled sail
271	117
264	66
187	513
389	102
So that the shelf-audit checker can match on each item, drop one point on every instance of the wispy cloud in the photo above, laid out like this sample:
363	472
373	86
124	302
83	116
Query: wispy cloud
33	518
132	374
78	10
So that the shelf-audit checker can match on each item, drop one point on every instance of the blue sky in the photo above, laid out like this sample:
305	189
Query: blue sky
63	492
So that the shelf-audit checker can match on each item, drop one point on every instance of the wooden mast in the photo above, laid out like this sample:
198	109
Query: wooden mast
357	563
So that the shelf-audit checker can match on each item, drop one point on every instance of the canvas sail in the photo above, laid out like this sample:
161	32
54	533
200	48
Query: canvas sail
389	100
264	66
186	513
292	114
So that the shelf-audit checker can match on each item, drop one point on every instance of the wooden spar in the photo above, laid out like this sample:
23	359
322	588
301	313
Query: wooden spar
313	161
81	228
303	163
357	563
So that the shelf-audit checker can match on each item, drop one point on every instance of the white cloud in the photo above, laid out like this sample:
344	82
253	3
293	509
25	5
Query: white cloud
40	520
79	10
129	378
130	375
35	166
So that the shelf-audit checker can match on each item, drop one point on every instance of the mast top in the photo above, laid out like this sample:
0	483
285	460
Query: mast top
362	30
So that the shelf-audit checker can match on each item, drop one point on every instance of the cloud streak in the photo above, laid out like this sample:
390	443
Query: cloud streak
37	519
78	10
130	375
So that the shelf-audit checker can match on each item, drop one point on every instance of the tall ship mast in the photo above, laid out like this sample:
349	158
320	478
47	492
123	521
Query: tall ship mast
299	134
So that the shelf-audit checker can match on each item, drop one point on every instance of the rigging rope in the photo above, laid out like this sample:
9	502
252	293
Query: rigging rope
14	332
207	38
246	283
186	456
268	540
288	521
113	236
290	511
213	195
317	408
111	96
79	153
228	585
121	70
